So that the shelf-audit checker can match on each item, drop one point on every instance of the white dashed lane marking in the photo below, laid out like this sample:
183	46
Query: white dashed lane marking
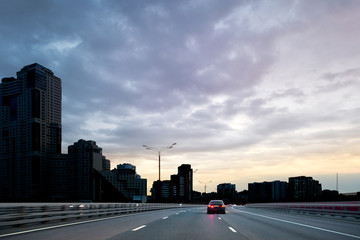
233	230
138	228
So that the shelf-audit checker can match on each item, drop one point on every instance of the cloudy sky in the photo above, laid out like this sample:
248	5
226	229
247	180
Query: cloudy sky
249	90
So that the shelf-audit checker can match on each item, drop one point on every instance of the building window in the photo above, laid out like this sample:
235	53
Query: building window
35	103
35	127
35	169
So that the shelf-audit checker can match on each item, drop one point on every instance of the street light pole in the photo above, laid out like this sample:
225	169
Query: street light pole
159	150
205	183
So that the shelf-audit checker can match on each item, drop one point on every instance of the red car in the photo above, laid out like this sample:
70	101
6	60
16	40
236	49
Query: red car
216	206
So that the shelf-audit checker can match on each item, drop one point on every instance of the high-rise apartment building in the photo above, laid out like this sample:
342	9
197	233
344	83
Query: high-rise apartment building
226	191
85	158
32	167
30	132
185	182
304	189
275	191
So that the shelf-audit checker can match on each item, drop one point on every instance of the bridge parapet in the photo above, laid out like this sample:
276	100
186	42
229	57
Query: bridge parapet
17	214
344	209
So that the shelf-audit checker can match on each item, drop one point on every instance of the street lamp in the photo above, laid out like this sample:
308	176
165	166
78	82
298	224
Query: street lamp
205	183
159	150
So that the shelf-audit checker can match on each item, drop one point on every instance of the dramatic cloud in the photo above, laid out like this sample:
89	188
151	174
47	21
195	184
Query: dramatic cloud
250	90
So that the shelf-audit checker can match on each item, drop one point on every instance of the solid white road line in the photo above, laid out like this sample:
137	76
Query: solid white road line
138	228
233	230
300	224
165	217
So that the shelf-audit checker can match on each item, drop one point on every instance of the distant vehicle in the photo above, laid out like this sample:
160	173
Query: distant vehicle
216	206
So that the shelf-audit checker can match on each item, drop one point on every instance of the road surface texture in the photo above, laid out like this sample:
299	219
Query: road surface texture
194	223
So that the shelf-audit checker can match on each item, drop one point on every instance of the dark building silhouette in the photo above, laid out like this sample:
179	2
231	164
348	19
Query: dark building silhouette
90	178
279	191
60	181
30	134
304	189
32	167
164	191
106	164
275	191
128	182
330	195
185	183
85	157
106	191
226	191
242	197
259	192
156	192
178	189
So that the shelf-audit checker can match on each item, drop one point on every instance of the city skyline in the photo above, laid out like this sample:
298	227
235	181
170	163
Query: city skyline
249	91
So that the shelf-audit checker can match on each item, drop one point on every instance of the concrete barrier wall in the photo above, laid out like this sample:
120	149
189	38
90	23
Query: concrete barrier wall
17	214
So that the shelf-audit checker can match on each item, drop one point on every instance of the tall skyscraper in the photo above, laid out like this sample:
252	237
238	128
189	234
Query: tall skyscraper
30	132
185	182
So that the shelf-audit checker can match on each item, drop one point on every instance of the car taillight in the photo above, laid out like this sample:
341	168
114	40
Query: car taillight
211	206
223	206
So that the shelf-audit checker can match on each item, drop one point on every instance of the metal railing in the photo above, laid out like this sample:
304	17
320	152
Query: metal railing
343	209
18	214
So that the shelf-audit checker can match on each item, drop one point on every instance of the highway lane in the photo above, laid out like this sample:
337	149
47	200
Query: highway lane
98	228
194	223
190	224
279	225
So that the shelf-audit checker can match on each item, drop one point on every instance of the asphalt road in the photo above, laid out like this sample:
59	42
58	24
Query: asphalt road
194	223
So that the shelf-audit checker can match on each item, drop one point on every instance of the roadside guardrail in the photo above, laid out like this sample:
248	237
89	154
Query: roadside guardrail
343	209
18	214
